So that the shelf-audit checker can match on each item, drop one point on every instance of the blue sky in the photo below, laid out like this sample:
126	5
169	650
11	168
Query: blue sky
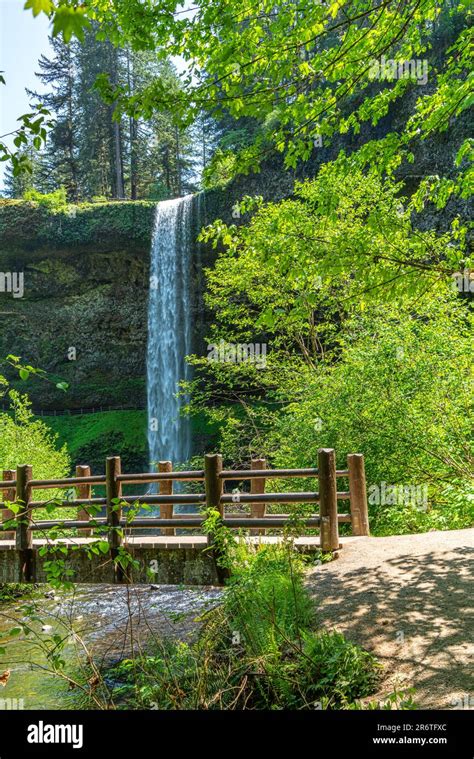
22	40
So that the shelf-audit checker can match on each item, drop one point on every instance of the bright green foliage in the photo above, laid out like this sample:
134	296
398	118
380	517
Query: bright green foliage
70	21
53	201
267	588
39	6
368	342
221	169
400	391
345	228
24	439
298	74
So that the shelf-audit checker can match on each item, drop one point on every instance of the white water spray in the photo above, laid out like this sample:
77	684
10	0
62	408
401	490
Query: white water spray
169	330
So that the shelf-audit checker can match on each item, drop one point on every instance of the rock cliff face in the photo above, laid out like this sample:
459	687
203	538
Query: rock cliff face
83	315
84	311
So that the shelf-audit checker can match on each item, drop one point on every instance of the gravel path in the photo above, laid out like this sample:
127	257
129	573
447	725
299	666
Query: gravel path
409	600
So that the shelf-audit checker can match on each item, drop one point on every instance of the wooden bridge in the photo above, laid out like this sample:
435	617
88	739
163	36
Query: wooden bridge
27	543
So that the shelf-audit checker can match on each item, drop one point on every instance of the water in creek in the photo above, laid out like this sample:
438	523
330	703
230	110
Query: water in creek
169	329
112	621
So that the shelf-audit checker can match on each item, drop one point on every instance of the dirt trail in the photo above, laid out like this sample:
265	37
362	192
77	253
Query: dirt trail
409	600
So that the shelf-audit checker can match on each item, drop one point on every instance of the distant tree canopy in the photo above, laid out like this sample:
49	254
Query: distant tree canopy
305	69
93	149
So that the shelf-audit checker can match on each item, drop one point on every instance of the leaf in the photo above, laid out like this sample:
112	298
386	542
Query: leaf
62	386
24	374
39	6
70	21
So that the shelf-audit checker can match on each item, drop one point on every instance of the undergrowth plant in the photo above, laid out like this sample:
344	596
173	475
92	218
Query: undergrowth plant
258	649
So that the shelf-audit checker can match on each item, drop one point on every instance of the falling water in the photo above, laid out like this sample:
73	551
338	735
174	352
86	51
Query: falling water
169	329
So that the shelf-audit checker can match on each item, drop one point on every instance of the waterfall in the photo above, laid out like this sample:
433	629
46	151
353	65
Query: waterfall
169	329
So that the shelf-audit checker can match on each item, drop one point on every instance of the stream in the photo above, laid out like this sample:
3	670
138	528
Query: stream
111	622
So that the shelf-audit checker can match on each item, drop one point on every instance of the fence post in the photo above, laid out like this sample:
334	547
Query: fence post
8	495
329	530
166	488
212	469
83	491
257	510
24	536
114	513
358	494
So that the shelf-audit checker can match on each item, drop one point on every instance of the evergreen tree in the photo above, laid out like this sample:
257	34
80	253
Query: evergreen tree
160	151
59	75
99	137
97	147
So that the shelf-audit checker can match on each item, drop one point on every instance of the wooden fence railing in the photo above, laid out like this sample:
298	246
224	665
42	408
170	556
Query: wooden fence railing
18	487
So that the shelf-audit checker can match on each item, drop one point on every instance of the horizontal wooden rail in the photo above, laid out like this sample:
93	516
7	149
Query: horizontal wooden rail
268	522
7	485
65	504
67	482
184	498
179	517
251	474
68	524
278	497
271	498
157	476
190	499
188	523
184	521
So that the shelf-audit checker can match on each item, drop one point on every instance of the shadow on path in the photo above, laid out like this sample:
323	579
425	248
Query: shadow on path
408	599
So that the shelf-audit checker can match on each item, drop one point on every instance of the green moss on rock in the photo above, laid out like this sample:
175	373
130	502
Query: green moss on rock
31	225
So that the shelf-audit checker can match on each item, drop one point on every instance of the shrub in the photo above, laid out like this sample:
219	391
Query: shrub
26	439
400	392
335	669
53	201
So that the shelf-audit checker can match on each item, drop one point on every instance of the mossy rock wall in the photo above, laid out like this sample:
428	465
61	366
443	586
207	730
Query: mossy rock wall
86	272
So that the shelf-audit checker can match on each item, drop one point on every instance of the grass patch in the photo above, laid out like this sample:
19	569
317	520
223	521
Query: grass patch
90	438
